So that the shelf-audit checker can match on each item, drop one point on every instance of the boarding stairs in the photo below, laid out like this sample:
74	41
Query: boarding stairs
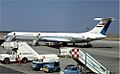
24	45
87	60
19	45
10	38
9	45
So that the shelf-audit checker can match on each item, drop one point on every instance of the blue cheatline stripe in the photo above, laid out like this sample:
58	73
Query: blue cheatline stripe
104	30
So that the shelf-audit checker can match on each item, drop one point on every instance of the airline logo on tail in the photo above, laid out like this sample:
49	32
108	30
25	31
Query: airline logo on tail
102	26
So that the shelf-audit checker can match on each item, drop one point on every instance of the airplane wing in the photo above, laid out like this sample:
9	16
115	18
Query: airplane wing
56	39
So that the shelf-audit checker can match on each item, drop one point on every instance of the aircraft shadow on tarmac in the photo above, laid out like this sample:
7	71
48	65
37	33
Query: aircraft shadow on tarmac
80	46
101	47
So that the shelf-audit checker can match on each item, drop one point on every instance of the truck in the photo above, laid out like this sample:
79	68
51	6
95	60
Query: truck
12	56
21	51
44	59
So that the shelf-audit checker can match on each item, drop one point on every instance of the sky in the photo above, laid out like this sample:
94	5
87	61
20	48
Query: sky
57	15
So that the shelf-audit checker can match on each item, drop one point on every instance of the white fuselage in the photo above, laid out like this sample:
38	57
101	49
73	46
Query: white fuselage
57	37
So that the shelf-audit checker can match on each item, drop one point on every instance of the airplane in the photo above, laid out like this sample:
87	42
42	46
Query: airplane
97	33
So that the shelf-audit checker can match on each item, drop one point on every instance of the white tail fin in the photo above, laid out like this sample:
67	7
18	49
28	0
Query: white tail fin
102	26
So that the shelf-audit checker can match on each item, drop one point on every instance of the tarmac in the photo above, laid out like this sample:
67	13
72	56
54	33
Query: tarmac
106	52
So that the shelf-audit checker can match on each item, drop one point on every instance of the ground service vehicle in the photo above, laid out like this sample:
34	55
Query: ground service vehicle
71	69
36	65
13	57
51	68
43	59
21	51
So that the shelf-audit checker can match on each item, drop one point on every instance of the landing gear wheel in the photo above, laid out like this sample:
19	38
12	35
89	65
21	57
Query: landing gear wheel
74	44
6	61
24	60
58	69
64	44
88	43
51	71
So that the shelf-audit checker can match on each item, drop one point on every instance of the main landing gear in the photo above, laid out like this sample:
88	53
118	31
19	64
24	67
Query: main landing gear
88	43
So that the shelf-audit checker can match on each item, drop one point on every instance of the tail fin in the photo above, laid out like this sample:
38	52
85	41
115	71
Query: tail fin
102	26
